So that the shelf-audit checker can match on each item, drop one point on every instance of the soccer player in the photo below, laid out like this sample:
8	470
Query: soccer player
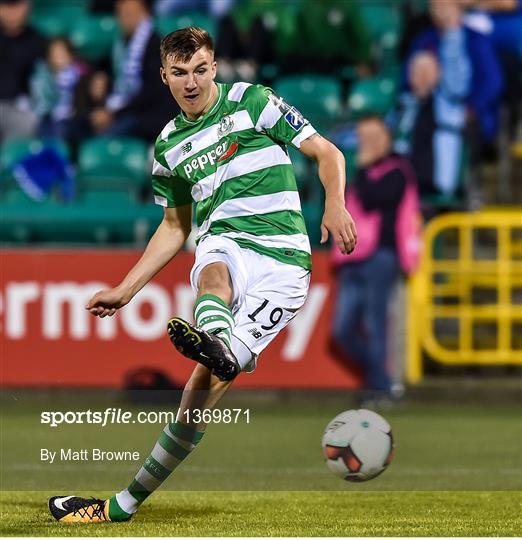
226	152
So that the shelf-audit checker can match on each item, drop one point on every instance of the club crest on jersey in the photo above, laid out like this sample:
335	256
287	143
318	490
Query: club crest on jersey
225	126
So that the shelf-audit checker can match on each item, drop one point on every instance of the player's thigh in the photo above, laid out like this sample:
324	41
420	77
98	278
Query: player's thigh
270	303
216	249
215	279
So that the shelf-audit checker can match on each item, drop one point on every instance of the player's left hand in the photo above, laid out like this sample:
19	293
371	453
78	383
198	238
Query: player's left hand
339	223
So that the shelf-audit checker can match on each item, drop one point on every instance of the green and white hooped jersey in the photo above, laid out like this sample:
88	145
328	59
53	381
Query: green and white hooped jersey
233	163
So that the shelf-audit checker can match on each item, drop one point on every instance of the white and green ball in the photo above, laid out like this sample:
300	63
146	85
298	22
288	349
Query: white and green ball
358	445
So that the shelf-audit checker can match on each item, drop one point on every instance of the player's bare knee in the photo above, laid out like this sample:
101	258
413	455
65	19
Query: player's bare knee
215	279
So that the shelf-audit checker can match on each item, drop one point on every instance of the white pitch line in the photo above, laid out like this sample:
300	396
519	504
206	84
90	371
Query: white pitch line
256	470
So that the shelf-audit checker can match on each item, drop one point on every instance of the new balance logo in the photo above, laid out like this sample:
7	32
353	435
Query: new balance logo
186	148
255	332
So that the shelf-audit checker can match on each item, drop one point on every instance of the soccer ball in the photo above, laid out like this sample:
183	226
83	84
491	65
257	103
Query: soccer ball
358	445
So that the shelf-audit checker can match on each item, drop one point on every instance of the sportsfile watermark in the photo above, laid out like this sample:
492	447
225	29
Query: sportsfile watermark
116	415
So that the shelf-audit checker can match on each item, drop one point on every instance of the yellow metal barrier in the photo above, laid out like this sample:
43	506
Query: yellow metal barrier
465	302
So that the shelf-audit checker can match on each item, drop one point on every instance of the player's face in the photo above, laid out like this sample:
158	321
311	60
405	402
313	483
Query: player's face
192	83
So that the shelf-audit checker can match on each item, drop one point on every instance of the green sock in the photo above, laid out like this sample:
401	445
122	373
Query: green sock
176	442
213	315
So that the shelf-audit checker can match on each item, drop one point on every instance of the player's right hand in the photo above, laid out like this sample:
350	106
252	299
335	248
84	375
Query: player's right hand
105	303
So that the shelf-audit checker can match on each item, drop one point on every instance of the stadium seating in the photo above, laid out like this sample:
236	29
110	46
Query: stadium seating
96	218
49	25
111	173
350	158
167	24
53	18
310	192
97	199
372	96
15	149
115	217
113	164
18	215
60	7
301	168
318	97
383	21
313	215
94	35
279	17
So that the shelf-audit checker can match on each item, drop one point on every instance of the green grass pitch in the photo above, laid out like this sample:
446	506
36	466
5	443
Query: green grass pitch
304	513
457	471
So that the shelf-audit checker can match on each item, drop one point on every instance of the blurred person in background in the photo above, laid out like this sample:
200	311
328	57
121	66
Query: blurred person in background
91	95
138	102
384	198
304	36
105	7
245	39
501	20
416	19
54	86
485	88
432	114
20	48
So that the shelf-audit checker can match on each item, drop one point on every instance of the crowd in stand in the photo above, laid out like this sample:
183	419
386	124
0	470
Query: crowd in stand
53	92
460	60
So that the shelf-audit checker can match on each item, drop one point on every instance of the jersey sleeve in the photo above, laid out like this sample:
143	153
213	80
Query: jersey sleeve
279	120
169	189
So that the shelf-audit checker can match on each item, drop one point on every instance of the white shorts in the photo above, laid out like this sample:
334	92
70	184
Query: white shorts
267	294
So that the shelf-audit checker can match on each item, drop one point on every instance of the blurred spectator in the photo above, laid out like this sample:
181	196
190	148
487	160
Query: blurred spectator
102	6
244	41
53	90
486	77
304	36
20	49
502	21
139	103
432	114
416	19
384	203
93	94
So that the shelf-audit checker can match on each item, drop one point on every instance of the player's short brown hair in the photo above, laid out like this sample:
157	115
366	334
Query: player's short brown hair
183	43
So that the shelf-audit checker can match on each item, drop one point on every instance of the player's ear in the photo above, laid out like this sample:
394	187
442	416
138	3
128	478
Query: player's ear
163	75
214	69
